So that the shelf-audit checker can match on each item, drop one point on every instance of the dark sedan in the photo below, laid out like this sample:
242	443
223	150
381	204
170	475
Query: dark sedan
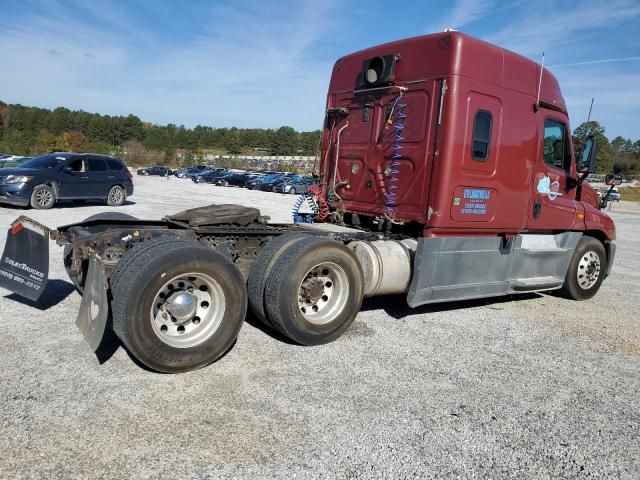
209	176
233	179
42	181
269	185
155	170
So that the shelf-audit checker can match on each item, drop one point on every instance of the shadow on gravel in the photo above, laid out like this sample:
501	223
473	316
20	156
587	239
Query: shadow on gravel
252	320
396	305
108	346
55	292
69	204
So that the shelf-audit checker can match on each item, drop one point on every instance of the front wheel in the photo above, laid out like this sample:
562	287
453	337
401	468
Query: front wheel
292	191
116	196
43	197
179	306
586	270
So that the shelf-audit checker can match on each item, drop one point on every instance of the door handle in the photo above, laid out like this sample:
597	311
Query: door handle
84	177
110	177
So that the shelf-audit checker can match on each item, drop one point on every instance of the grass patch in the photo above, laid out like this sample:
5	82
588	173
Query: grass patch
631	194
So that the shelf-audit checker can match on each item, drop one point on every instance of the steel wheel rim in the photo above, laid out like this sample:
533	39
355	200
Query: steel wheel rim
588	270
116	195
182	327
44	197
323	293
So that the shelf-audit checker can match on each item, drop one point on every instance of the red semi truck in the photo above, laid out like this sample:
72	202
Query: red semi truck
447	172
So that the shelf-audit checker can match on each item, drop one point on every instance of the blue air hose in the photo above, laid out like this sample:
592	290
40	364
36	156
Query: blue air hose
302	217
391	170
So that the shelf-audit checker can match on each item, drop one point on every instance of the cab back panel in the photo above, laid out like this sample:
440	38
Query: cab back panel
367	145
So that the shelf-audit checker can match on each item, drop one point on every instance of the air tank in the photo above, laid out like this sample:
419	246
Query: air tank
386	265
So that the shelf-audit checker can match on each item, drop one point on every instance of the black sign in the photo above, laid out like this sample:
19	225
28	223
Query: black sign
24	266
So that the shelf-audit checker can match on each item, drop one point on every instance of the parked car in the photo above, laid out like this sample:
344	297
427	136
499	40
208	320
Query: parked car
209	176
42	181
271	184
295	184
155	170
233	179
13	161
190	172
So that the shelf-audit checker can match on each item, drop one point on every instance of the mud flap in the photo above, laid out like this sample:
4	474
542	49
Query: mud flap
24	267
94	308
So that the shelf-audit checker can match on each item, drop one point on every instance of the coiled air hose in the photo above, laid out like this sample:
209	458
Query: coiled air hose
391	171
310	206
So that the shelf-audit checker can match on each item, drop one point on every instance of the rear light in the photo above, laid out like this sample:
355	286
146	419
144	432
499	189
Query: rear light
16	228
129	175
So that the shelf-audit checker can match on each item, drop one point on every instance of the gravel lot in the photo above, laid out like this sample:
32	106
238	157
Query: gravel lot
532	386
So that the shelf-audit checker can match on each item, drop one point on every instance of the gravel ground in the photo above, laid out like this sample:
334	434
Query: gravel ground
533	386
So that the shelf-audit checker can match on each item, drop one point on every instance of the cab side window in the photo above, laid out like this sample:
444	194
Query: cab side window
481	135
555	149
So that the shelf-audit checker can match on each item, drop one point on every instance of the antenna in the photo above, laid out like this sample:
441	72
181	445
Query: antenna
589	116
537	105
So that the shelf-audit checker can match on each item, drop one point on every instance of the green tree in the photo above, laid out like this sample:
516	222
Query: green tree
604	157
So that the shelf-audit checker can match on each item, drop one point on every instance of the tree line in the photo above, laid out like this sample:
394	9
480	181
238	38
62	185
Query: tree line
31	131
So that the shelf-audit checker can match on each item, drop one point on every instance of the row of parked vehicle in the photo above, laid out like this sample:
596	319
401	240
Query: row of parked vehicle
253	180
12	161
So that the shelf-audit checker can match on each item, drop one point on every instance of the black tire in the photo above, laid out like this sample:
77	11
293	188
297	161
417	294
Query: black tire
67	253
136	291
586	270
117	196
292	191
261	268
283	289
132	253
43	197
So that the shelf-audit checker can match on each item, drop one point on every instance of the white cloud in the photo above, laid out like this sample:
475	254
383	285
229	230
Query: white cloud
252	66
546	26
462	13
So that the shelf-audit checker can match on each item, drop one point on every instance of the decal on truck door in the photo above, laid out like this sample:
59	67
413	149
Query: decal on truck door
473	204
547	187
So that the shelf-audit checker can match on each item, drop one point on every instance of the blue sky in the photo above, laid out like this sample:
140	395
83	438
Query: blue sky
266	64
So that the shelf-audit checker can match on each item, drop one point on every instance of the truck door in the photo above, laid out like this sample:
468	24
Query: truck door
553	204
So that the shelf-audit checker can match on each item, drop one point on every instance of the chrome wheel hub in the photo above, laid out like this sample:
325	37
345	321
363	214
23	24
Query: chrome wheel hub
182	306
588	270
116	195
188	310
44	197
323	293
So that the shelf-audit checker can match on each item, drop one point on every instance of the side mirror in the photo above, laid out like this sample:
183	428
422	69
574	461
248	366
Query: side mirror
588	161
67	169
613	180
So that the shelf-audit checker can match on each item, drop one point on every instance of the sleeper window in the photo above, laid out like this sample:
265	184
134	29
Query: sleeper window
481	135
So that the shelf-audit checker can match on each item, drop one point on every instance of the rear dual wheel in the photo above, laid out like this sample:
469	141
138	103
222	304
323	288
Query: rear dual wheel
177	306
313	289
